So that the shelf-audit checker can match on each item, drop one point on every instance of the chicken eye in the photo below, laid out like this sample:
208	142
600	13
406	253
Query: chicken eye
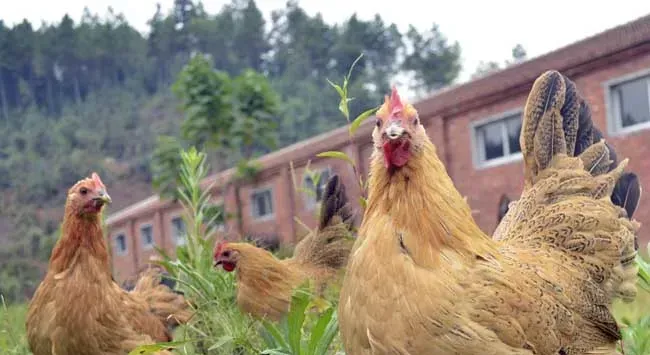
378	123
83	191
226	254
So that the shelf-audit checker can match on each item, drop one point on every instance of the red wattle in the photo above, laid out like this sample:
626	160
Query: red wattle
228	266
396	154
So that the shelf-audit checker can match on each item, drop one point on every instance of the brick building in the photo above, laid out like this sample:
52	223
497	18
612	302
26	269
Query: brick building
475	127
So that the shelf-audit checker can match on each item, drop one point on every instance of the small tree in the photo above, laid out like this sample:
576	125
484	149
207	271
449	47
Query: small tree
232	117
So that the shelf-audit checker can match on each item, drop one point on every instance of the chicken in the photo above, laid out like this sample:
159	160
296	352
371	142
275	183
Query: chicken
78	308
265	284
424	279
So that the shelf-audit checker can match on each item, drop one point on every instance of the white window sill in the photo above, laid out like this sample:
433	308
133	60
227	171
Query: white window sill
267	217
624	131
512	158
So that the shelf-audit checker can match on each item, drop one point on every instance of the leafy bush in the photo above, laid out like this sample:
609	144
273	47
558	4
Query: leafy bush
300	332
218	326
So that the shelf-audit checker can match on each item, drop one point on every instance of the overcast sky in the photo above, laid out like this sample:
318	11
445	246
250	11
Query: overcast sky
486	30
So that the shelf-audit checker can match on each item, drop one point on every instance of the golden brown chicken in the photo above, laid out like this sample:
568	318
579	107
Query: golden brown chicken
424	279
265	284
78	308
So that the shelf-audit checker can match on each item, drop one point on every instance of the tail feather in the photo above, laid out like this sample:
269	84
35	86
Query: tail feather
586	130
558	128
329	246
335	203
167	304
627	193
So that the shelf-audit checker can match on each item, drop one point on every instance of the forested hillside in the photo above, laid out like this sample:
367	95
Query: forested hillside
95	95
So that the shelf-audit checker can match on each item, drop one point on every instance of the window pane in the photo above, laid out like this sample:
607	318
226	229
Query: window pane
147	235
634	103
178	230
121	243
513	128
492	138
262	203
268	202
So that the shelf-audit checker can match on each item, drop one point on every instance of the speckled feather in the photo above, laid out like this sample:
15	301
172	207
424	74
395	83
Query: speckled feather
423	278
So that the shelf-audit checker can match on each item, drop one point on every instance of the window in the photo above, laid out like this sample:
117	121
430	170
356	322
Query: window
146	235
178	230
498	140
316	184
262	204
630	104
120	244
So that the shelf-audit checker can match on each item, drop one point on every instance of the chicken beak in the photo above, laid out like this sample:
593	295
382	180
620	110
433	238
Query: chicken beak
104	198
394	130
217	263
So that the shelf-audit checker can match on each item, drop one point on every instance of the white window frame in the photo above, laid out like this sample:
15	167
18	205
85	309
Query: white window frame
478	145
612	104
153	239
312	201
177	239
253	205
116	236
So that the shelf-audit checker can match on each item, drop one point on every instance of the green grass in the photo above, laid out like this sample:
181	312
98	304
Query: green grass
13	340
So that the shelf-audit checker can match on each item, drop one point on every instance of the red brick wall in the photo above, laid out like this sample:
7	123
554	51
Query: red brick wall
484	186
123	265
452	136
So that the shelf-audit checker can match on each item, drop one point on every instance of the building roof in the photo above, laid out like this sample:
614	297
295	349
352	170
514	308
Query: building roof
571	60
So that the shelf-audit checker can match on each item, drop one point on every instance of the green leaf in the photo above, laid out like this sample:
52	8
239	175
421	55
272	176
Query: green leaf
337	155
363	202
275	334
352	67
337	87
343	107
319	329
328	335
295	319
153	348
275	352
221	342
362	117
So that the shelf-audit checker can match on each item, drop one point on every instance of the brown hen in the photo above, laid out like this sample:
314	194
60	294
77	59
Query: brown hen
78	308
265	283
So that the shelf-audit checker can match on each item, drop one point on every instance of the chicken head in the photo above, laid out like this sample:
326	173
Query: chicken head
398	132
88	196
225	256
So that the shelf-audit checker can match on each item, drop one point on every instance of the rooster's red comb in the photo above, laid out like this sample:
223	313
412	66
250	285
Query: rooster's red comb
393	104
395	100
218	248
97	180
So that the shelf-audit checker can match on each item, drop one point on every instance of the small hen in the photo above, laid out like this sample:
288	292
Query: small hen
78	308
265	284
424	279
